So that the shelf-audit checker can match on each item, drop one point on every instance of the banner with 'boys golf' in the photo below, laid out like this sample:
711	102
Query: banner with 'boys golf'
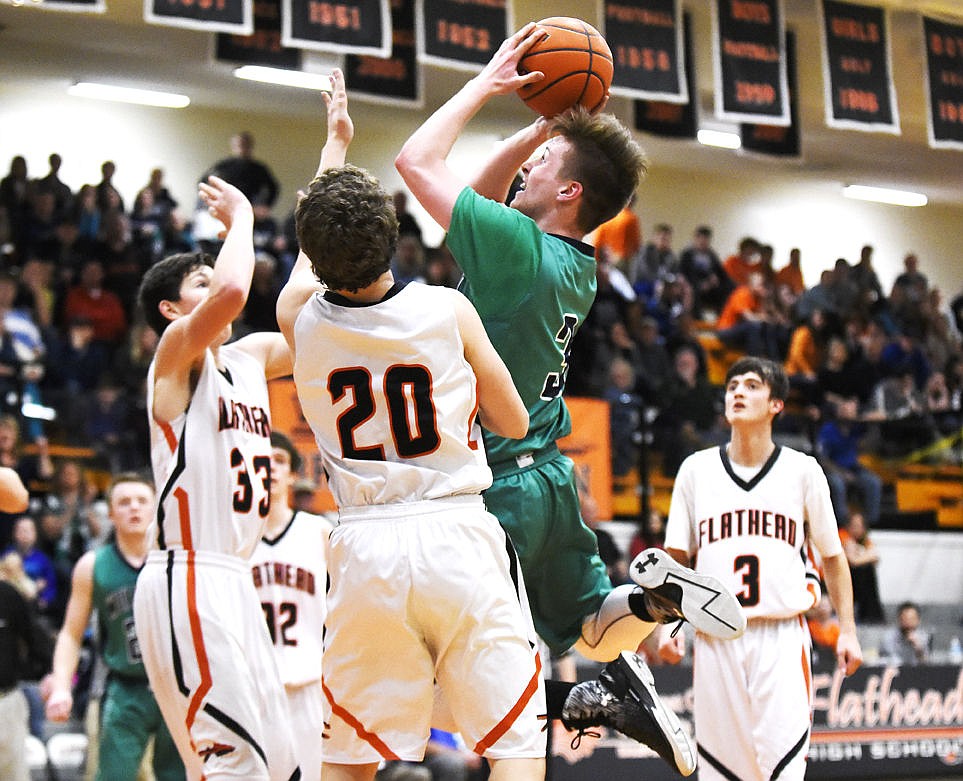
858	79
750	61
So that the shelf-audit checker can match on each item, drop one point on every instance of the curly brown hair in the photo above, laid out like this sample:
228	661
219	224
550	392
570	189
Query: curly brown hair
347	227
605	158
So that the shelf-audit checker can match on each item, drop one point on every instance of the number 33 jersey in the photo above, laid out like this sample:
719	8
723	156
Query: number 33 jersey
390	397
212	463
752	528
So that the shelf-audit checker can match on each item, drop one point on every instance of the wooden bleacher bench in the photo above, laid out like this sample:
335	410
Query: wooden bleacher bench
719	356
938	488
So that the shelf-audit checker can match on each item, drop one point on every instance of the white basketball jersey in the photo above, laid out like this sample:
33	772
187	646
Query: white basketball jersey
290	577
390	397
212	464
750	531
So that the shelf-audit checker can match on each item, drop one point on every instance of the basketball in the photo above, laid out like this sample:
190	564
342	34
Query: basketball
577	64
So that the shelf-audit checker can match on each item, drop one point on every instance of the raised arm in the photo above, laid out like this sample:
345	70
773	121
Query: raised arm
497	173
500	408
302	282
422	160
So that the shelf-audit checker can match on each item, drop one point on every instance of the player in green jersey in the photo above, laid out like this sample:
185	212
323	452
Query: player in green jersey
104	580
532	280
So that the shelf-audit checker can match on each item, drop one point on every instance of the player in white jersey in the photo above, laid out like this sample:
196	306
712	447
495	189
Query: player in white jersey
748	512
391	379
205	646
290	575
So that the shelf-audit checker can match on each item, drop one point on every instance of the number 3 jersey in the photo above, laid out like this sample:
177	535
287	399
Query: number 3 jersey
390	397
751	530
212	464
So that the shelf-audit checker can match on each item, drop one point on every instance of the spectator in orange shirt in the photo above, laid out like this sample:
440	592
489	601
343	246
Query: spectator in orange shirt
744	323
744	262
823	628
791	273
807	350
620	239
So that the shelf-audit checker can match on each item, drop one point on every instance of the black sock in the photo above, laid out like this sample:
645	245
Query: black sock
555	694
637	605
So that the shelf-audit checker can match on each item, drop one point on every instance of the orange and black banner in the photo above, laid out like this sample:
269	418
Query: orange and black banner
670	119
224	16
355	26
395	79
461	33
777	140
858	75
750	61
944	71
645	37
263	46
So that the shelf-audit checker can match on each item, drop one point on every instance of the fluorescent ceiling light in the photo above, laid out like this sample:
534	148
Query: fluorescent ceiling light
142	97
883	195
284	77
719	138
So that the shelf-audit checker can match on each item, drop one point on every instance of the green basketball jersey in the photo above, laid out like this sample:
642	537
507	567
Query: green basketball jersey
113	598
533	290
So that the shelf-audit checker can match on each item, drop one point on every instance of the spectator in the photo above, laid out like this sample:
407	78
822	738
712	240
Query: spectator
36	564
440	267
77	363
823	628
407	224
89	298
906	643
619	240
703	270
863	558
252	177
791	274
258	314
741	264
839	440
805	357
51	183
654	263
15	200
33	471
616	565
654	362
108	196
745	324
408	262
625	415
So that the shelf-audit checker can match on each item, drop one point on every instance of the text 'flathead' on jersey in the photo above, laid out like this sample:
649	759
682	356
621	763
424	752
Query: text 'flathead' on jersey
747	523
238	415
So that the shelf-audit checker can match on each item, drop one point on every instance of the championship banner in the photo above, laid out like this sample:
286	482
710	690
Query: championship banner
778	140
461	34
944	82
393	80
263	47
749	62
83	6
351	26
859	90
645	37
225	16
672	120
881	722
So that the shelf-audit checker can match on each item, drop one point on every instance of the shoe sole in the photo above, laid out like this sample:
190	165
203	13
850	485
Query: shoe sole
706	603
641	682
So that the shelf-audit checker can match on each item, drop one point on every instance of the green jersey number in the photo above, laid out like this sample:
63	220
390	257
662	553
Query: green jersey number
555	381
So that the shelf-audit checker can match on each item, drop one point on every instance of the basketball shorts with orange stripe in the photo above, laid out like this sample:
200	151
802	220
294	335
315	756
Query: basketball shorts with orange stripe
422	592
211	667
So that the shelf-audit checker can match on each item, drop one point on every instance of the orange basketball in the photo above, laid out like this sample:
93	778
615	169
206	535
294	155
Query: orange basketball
577	64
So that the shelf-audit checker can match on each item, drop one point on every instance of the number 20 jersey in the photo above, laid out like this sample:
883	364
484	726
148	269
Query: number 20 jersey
212	464
753	532
390	397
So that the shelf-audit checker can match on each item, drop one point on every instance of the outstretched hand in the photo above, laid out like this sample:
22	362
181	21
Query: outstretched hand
340	126
500	76
224	201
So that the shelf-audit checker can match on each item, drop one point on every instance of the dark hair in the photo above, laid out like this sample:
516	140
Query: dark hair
770	372
605	159
347	226
281	442
162	282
